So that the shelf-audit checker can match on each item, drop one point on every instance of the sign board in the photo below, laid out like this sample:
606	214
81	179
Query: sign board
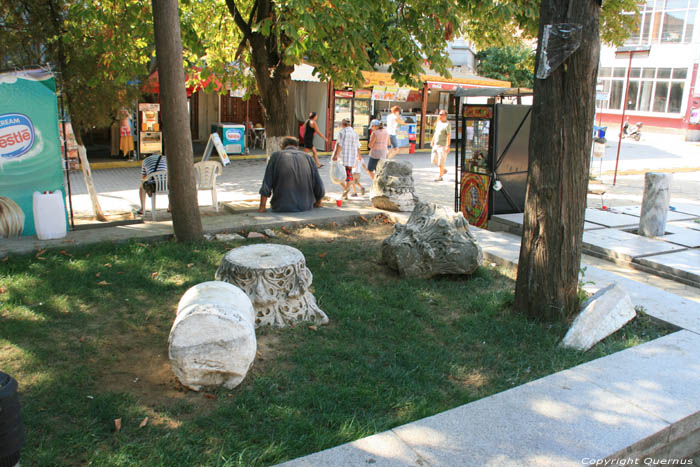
149	107
151	142
378	93
602	96
390	93
363	94
344	94
478	111
30	153
443	86
474	199
402	95
215	142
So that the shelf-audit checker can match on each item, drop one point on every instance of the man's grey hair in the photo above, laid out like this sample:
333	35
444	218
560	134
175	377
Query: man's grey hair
289	141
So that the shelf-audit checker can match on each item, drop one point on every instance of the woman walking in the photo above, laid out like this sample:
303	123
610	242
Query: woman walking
378	143
311	128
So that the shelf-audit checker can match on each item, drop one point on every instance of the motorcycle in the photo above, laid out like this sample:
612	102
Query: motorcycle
632	131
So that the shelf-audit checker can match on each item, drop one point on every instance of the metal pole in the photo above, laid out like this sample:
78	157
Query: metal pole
67	159
622	120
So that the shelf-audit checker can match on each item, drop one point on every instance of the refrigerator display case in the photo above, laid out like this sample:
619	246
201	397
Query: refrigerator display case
342	109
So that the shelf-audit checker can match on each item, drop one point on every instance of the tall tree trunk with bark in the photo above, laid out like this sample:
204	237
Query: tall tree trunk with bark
560	142
272	75
187	223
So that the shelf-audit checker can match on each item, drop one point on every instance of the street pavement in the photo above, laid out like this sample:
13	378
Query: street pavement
118	187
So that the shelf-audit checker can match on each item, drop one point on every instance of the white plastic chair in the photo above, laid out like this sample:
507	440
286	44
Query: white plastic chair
161	179
206	172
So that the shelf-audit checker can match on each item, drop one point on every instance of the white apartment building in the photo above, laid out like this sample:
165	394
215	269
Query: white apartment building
661	86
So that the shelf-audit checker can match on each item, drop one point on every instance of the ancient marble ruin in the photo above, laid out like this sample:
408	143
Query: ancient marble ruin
392	188
276	279
212	341
434	241
601	315
655	203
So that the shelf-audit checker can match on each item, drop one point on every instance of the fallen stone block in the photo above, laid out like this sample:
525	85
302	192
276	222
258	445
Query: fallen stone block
270	233
230	237
434	241
393	188
212	341
601	315
256	235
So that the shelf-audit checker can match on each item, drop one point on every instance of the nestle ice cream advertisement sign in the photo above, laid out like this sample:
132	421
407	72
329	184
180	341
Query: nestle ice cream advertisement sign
233	135
30	151
16	135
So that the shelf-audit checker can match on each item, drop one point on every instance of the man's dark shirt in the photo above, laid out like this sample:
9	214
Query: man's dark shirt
291	177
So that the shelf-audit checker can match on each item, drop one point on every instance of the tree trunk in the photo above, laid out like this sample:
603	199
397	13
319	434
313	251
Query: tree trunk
87	177
187	223
274	97
560	143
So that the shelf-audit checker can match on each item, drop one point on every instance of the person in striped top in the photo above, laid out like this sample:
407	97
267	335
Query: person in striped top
153	163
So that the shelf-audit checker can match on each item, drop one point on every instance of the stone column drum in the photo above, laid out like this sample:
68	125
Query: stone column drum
276	279
392	188
655	203
212	341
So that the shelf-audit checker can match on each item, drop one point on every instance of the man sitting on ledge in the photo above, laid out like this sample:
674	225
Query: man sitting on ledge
292	179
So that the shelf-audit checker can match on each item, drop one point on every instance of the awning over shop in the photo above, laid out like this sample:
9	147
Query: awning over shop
379	78
152	84
492	92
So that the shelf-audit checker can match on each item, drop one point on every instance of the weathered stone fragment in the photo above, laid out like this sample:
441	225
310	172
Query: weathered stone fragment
602	314
392	188
212	341
276	279
434	241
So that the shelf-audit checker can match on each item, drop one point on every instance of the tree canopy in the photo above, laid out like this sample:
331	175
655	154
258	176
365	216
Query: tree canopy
510	63
102	49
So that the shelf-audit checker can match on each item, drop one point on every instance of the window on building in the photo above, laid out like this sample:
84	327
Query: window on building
665	22
650	89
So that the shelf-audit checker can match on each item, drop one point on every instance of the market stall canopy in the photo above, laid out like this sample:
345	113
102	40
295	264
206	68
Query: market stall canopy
152	84
492	92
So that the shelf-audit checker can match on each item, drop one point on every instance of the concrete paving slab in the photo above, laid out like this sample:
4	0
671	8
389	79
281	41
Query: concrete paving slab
501	248
661	377
680	236
693	225
636	211
380	450
609	218
687	208
554	421
516	220
623	245
685	264
656	302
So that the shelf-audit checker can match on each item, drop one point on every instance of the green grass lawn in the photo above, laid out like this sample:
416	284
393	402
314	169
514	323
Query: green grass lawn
85	333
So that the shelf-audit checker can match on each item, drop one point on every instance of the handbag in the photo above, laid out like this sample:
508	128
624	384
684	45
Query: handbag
149	186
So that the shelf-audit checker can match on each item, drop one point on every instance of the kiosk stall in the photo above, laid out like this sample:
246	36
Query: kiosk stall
491	161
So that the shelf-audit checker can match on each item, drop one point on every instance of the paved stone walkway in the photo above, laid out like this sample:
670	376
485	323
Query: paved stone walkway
117	187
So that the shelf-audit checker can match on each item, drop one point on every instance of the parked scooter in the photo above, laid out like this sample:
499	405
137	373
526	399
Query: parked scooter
632	131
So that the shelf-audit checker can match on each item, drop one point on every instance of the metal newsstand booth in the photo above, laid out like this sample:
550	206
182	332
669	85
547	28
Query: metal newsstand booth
491	160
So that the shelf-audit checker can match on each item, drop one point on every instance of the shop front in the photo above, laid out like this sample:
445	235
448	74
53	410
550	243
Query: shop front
420	106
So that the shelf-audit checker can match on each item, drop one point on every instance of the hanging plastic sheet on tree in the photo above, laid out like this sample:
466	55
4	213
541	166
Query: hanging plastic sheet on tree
559	41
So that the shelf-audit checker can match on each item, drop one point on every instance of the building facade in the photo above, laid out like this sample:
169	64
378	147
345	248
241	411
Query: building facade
661	85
